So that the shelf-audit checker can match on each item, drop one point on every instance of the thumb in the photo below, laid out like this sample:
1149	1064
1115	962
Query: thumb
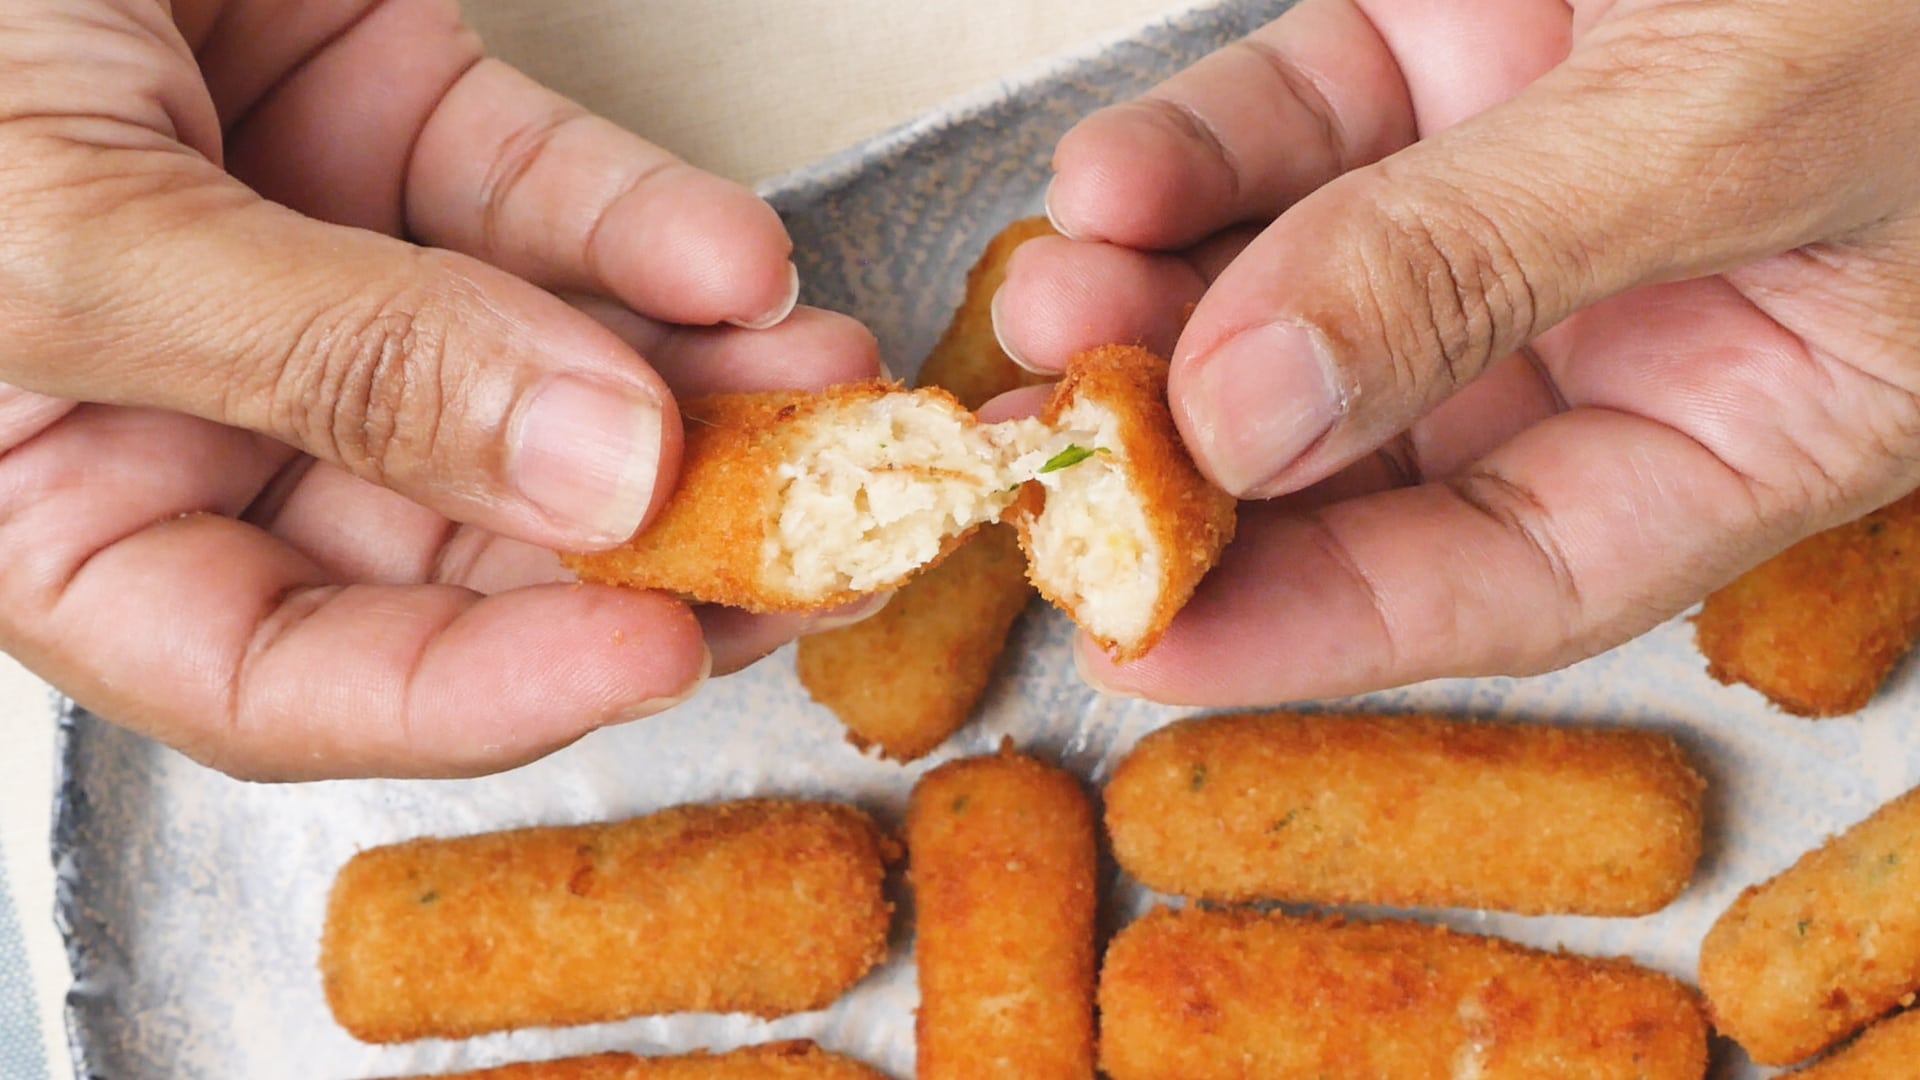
433	374
1376	297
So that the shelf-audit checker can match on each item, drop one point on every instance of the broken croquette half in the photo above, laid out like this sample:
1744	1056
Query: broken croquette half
1127	530
797	501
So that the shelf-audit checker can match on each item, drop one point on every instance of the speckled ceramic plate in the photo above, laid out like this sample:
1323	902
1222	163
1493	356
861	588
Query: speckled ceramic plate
192	904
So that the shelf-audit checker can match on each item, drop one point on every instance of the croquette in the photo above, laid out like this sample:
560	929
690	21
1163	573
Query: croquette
1888	1050
1802	961
1819	627
1408	811
905	679
1213	995
968	360
1001	856
799	501
760	906
1120	540
796	1060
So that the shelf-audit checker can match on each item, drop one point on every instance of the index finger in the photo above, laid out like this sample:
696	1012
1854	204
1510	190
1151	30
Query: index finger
1328	87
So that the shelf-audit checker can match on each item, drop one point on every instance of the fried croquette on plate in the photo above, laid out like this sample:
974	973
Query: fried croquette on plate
1408	811
1120	540
794	1060
911	675
1001	856
761	906
968	361
1802	961
906	678
1889	1050
795	501
1227	995
1819	627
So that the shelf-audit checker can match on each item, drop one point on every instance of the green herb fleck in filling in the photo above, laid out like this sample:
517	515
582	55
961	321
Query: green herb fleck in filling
1067	459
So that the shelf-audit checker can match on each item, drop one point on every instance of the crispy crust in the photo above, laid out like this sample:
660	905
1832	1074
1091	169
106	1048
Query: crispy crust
968	359
1200	995
1191	519
1412	811
1818	628
1888	1049
908	677
794	1060
760	906
1801	962
1002	861
706	543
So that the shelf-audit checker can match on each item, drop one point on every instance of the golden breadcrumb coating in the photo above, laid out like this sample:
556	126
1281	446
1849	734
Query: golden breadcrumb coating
905	679
759	906
1123	537
1888	1050
1232	995
795	1060
968	360
1410	811
1001	853
1812	956
1819	627
910	676
767	516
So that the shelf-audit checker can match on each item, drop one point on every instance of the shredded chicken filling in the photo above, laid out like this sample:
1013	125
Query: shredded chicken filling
879	491
1092	542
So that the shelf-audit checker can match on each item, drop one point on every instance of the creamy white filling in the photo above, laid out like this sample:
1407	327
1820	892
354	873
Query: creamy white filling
1092	543
879	490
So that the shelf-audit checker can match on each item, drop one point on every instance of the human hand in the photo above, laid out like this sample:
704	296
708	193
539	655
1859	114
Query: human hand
303	526
1546	319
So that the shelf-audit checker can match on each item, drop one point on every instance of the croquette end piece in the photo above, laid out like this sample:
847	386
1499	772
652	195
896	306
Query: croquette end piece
1887	1049
1818	628
1121	539
1804	960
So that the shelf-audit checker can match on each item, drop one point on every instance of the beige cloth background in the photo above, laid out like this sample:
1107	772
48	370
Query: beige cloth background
750	88
747	88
